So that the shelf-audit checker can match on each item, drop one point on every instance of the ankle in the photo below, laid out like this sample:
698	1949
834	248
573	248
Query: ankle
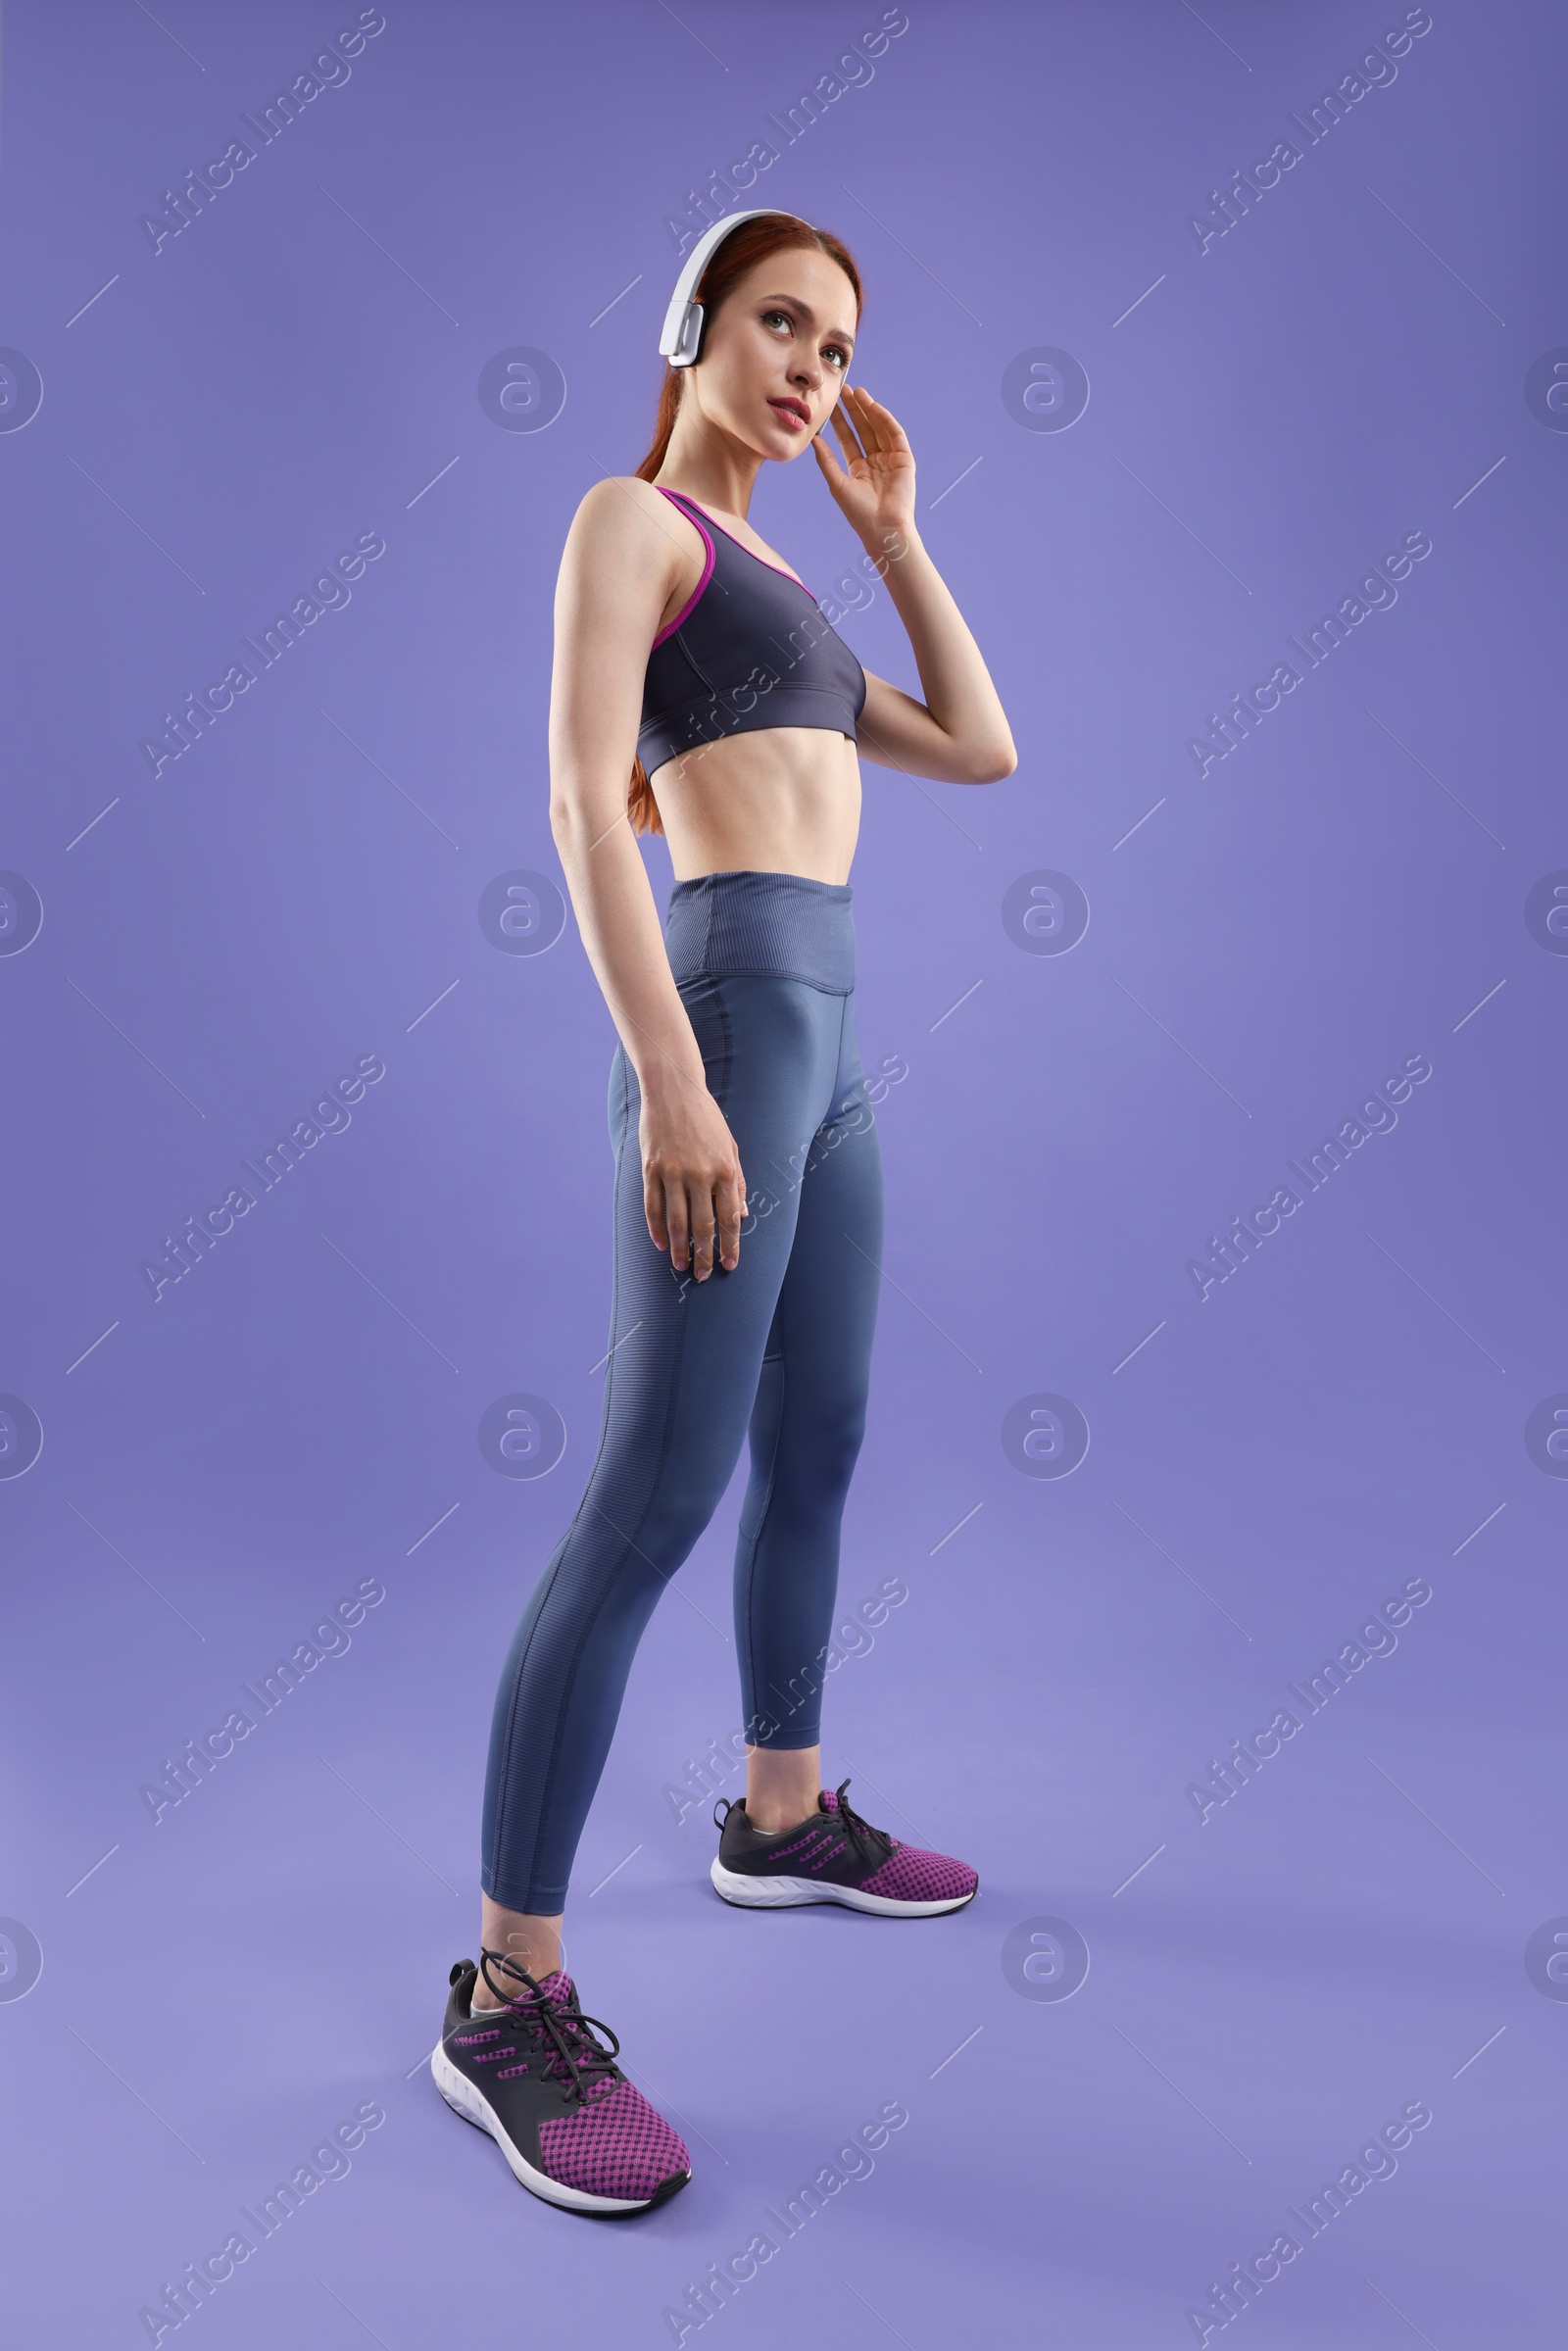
770	1815
782	1787
502	1985
531	1942
484	2001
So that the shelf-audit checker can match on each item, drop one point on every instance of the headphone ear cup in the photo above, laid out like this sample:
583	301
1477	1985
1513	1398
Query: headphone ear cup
681	341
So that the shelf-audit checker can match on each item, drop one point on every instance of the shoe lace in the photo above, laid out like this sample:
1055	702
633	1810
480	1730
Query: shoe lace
576	2056
873	1845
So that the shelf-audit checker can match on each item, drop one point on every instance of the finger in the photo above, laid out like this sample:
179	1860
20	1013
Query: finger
654	1211
861	408
880	426
872	421
731	1212
702	1227
841	426
679	1229
881	422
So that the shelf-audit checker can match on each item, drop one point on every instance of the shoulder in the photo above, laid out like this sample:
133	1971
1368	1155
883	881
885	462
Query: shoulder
626	529
620	511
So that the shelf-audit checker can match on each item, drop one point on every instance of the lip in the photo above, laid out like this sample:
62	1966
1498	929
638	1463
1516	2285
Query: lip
794	410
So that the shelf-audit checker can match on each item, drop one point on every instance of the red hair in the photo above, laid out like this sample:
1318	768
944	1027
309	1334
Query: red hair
751	242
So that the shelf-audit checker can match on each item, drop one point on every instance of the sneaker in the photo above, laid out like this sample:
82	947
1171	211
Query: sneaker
572	2127
834	1856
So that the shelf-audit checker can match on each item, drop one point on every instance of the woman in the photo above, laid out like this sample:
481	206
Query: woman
748	1179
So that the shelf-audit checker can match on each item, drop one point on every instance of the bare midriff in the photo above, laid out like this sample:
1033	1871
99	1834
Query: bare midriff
782	800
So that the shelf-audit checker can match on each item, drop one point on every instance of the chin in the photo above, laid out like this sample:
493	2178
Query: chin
795	441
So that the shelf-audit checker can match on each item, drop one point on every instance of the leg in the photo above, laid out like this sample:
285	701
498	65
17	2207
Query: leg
681	1378
793	1842
806	1432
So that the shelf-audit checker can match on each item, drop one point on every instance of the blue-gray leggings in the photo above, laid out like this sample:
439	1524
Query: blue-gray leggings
780	1347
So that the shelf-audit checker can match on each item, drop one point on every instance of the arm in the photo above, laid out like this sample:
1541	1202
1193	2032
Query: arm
620	562
960	733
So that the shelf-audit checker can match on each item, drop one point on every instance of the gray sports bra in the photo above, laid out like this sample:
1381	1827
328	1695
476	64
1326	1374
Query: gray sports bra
748	650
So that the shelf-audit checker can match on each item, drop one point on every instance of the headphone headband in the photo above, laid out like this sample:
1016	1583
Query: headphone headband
681	340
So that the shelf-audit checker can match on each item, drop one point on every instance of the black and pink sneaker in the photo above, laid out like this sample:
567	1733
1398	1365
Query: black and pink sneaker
834	1856
572	2127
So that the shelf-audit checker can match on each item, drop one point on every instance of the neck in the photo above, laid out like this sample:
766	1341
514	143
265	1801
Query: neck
710	467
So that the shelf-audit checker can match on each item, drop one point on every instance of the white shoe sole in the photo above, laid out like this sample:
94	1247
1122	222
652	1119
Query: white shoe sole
465	2098
786	1893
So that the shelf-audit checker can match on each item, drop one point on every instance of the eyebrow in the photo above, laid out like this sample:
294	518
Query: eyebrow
794	303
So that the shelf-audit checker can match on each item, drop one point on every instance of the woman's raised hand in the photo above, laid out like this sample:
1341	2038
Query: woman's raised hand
874	487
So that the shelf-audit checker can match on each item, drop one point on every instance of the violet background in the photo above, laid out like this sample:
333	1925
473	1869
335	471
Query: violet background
299	1413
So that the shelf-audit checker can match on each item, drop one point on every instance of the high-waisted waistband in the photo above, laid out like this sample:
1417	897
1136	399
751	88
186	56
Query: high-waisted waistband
783	925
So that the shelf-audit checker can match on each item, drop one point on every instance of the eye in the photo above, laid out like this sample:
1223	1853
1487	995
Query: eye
834	352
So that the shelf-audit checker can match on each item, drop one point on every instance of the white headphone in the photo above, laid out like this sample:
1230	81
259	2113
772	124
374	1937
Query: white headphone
682	338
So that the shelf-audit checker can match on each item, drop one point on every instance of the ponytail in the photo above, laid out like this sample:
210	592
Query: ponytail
642	809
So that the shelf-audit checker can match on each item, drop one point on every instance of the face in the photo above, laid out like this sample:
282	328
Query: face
776	352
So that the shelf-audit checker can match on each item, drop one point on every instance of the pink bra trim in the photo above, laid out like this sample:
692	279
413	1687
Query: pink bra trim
692	601
751	551
675	498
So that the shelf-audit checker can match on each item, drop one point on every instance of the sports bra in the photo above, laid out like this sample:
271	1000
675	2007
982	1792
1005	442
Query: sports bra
748	650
